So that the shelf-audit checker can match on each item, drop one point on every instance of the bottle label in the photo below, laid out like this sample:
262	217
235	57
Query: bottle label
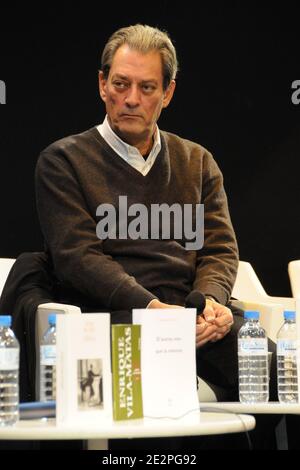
9	359
48	355
286	347
253	346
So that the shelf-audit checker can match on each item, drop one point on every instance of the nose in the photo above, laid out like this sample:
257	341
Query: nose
132	99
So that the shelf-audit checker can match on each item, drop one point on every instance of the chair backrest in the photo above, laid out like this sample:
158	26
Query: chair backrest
247	285
252	296
5	267
294	275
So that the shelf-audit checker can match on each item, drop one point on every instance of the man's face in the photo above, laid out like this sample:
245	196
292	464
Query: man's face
133	94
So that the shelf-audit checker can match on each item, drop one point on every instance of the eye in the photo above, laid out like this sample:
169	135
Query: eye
147	88
120	85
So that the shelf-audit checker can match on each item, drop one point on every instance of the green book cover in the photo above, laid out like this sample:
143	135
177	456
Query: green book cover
126	369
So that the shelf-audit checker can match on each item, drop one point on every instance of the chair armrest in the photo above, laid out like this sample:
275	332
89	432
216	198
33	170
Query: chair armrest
41	323
205	392
288	303
59	308
43	311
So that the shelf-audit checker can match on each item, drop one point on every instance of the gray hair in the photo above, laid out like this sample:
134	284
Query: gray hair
143	38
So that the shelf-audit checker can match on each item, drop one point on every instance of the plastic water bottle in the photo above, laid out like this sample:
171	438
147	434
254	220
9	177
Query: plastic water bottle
9	373
253	361
48	362
287	360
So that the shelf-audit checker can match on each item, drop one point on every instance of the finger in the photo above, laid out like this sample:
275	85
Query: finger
200	328
203	334
208	328
223	329
221	334
209	314
203	341
225	319
218	337
200	319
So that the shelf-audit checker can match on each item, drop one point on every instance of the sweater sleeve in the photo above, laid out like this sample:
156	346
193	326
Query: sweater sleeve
217	261
69	231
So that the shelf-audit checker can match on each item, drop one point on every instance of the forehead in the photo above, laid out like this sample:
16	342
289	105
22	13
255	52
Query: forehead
136	65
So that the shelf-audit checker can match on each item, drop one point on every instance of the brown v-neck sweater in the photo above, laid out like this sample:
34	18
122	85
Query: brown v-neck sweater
78	173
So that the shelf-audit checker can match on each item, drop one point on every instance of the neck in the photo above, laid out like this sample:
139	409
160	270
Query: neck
145	147
143	143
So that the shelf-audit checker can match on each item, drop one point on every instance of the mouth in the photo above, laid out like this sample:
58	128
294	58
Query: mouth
130	116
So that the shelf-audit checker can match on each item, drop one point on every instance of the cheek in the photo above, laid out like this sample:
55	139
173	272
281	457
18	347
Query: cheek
151	104
115	100
155	107
112	97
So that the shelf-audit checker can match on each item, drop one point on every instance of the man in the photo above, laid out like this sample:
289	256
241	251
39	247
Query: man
83	176
77	174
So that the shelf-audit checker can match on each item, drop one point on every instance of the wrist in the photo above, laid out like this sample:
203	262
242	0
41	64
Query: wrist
153	303
209	297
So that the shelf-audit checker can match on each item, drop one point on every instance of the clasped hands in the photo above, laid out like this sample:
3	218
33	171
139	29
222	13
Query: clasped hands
213	324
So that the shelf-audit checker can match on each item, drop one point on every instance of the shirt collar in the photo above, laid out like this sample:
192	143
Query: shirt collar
129	153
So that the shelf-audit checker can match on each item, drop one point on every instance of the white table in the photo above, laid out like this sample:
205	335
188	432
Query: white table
260	408
204	423
254	408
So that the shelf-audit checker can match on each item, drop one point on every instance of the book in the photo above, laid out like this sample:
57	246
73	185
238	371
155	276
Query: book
168	361
83	389
126	367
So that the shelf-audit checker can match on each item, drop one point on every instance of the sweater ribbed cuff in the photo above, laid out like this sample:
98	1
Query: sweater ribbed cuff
217	292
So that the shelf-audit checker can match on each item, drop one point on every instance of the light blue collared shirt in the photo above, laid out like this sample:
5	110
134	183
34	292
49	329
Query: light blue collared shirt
129	153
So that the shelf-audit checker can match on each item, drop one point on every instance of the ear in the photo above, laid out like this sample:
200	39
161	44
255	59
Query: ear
102	86
168	94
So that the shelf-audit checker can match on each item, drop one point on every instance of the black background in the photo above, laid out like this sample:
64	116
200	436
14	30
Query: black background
238	61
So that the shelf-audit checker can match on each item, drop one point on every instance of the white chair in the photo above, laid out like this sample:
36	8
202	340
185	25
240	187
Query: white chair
5	266
251	295
294	275
41	317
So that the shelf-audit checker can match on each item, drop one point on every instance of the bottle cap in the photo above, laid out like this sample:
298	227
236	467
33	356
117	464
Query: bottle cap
289	315
52	319
251	315
5	320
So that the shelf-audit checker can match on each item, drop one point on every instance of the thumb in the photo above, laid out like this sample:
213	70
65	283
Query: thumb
209	313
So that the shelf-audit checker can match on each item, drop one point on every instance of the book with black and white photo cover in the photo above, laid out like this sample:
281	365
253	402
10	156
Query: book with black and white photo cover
84	388
168	361
126	372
